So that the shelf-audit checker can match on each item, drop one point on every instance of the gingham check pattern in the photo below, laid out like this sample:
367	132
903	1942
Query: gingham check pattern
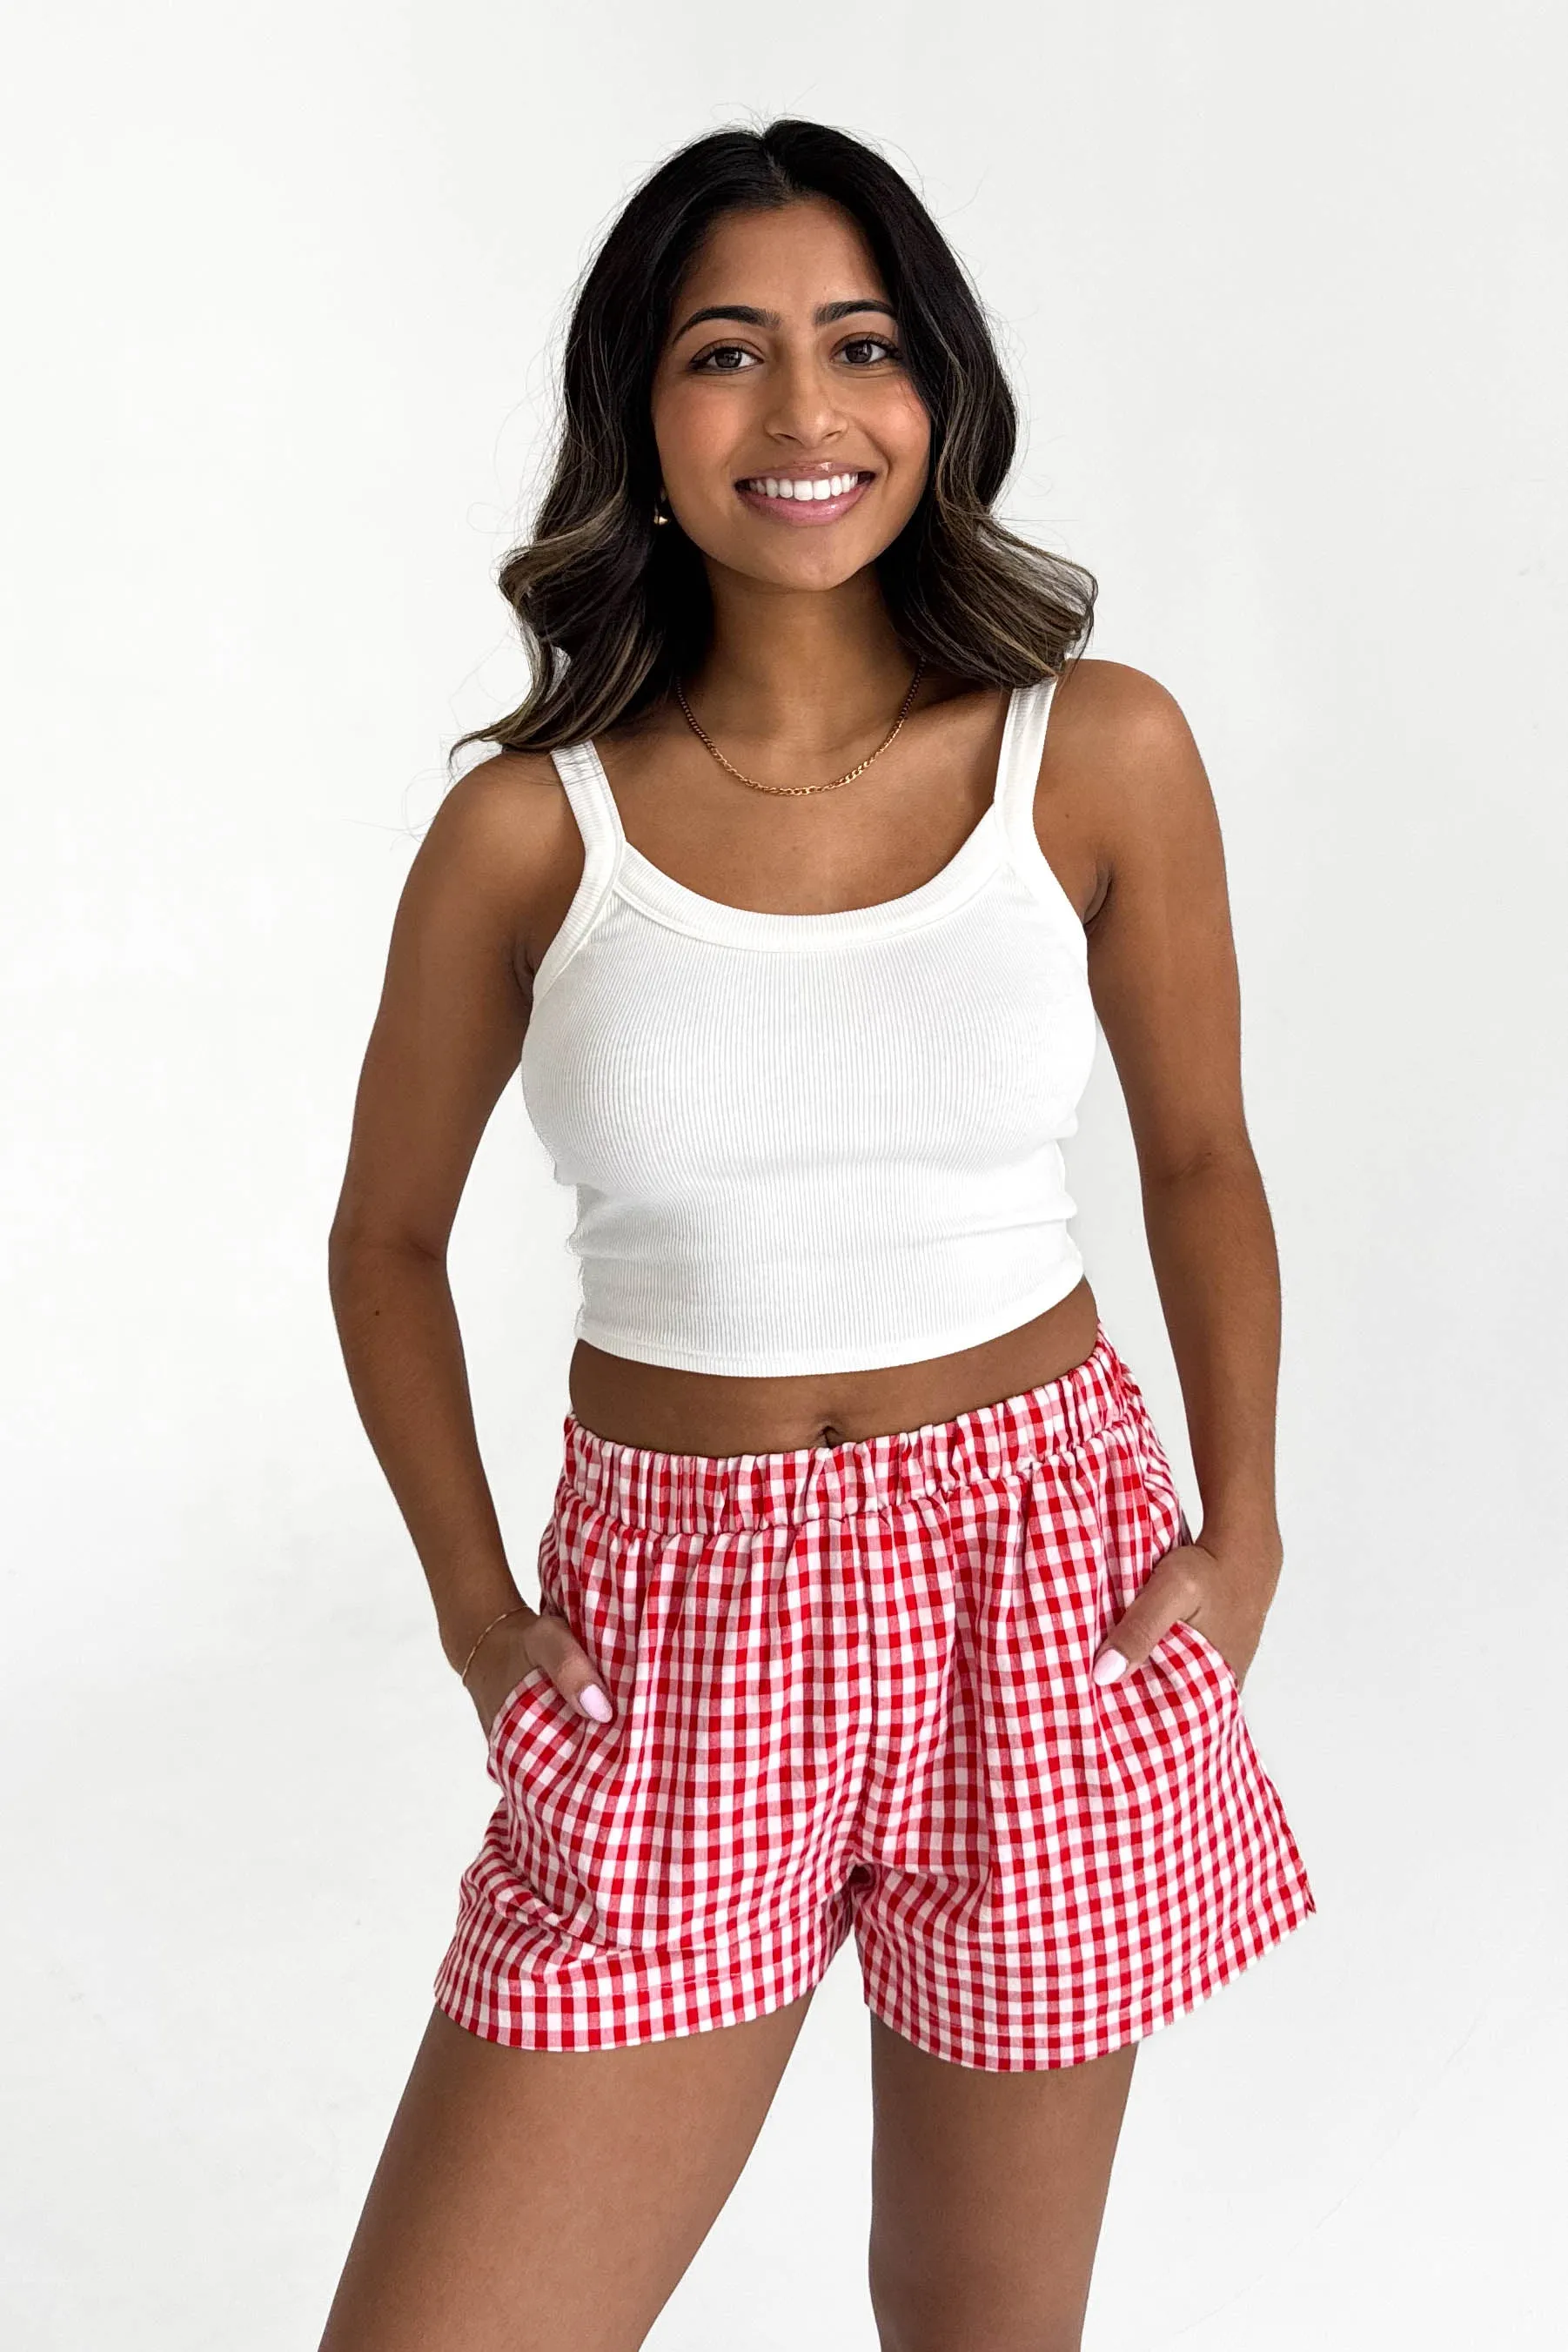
853	1694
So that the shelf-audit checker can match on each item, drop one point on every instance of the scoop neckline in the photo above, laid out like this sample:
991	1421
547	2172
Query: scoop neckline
649	886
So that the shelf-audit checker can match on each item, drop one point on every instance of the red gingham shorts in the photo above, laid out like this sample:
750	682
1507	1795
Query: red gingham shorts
852	1691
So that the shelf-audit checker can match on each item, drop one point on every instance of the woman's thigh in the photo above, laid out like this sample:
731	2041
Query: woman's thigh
530	2198
988	2190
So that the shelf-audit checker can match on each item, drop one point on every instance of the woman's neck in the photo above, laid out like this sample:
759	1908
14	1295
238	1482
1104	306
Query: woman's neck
809	671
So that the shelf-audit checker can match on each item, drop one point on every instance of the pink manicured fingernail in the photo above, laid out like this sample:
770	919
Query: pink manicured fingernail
591	1700
1110	1665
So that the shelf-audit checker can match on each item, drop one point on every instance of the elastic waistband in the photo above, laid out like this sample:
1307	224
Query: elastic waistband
642	1487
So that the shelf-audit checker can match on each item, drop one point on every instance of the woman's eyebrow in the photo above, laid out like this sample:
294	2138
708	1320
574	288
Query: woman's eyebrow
749	317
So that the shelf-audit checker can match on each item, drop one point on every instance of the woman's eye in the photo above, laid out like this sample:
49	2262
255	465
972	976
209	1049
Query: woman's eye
720	359
733	359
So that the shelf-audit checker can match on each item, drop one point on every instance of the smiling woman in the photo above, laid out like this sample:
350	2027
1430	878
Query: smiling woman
815	491
612	608
867	1603
799	396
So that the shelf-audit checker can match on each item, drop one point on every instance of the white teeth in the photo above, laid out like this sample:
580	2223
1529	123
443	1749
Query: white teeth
825	485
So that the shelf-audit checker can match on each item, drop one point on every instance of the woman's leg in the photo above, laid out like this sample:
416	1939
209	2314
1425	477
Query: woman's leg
528	2199
987	2194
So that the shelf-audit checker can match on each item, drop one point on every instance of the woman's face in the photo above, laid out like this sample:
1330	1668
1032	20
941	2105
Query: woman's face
780	372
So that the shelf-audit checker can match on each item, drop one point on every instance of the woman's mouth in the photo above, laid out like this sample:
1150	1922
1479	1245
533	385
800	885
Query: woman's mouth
804	499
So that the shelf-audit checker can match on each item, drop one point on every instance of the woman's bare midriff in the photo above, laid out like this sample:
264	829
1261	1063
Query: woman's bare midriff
706	1413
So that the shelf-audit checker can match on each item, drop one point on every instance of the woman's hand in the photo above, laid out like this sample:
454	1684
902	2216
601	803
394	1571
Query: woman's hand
539	1639
1225	1597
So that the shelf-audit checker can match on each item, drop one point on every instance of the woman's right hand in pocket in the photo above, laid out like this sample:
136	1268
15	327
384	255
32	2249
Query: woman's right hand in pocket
544	1640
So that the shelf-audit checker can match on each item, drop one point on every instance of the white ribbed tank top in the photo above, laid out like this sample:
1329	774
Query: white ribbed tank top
820	1142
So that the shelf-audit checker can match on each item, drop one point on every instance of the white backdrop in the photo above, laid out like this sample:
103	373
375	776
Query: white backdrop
1282	292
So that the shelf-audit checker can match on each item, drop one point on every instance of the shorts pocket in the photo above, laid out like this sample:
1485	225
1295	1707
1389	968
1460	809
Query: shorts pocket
534	1689
1162	1718
1167	1727
1219	1665
536	1720
1203	1656
1168	1528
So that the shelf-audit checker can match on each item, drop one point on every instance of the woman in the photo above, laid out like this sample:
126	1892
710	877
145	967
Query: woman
867	1603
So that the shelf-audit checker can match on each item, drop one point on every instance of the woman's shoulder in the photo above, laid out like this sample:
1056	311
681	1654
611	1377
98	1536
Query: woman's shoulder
1119	744
1115	729
1111	702
502	856
506	816
501	797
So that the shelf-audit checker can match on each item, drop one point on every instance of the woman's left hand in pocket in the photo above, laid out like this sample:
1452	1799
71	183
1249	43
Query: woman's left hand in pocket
1225	1595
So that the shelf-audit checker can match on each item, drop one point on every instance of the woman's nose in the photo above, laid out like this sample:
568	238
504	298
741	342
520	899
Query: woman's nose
804	407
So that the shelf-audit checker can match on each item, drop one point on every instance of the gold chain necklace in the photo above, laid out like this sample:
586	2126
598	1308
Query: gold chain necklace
794	789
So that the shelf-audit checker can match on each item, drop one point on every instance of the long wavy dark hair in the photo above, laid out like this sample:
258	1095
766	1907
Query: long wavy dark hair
612	609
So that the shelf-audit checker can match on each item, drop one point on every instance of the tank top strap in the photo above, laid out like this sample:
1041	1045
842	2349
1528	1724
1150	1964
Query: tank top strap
1018	767
581	772
593	805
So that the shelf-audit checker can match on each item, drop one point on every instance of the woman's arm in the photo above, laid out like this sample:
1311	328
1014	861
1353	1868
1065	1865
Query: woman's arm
447	1039
1163	976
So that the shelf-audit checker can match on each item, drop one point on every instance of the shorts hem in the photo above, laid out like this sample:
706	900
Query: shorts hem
1191	1991
716	2001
